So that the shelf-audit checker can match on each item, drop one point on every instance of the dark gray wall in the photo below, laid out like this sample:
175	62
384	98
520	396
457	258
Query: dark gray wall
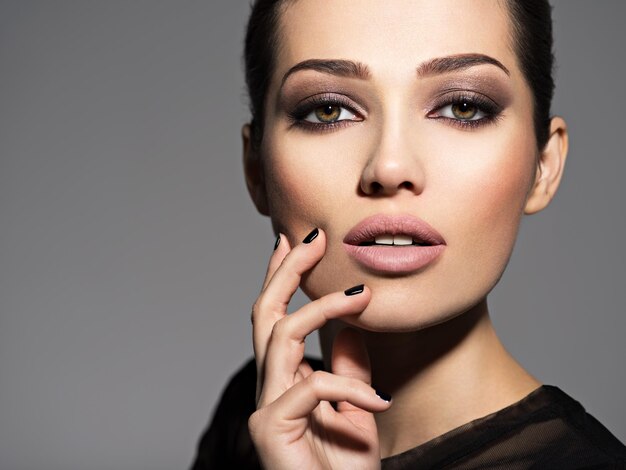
130	253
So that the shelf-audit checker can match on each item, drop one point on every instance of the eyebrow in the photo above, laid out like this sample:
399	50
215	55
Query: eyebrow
453	63
340	67
436	66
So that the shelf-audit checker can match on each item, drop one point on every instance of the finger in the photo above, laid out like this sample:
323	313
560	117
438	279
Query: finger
350	359
272	304
286	345
264	313
301	399
281	248
286	278
304	370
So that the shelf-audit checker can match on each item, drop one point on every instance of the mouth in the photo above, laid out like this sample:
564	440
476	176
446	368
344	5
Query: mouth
393	240
396	244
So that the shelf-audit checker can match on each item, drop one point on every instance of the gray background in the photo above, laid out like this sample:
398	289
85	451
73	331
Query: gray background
130	253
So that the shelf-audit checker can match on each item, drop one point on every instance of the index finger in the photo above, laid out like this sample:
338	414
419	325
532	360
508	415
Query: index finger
284	279
281	248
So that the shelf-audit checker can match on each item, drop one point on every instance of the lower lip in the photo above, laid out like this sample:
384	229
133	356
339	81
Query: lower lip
394	259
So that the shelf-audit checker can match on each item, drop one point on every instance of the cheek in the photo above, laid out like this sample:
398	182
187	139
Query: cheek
302	187
311	180
485	192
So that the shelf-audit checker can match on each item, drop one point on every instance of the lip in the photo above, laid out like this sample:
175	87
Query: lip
394	259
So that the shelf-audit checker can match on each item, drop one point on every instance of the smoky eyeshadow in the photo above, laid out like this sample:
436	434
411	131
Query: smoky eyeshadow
431	90
298	91
491	87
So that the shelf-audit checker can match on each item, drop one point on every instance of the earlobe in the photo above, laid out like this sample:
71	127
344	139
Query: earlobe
253	171
549	169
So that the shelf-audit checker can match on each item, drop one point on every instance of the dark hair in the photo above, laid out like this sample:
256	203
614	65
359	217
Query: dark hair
532	42
531	22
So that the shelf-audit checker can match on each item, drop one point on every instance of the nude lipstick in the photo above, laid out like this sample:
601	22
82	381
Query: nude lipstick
393	244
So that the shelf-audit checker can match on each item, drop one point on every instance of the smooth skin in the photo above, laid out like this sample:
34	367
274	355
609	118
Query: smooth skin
425	338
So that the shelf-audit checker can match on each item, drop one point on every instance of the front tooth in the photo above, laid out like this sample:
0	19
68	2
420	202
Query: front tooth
384	240
402	240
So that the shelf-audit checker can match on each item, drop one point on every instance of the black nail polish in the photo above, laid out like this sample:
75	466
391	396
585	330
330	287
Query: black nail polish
311	236
383	396
354	290
277	242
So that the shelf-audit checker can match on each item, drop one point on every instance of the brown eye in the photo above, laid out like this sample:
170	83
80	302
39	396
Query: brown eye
467	111
464	110
328	113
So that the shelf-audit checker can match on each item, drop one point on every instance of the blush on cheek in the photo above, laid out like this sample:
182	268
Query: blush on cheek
482	179
497	212
291	196
306	179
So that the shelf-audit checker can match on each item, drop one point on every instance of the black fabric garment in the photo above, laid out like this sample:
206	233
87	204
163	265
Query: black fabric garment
545	430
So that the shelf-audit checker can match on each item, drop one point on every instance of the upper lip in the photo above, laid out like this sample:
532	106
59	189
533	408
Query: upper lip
383	224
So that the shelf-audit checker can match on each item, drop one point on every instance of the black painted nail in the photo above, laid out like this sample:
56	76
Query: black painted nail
311	236
277	242
383	396
354	290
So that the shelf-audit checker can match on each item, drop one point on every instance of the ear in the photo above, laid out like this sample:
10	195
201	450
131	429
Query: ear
549	169
253	171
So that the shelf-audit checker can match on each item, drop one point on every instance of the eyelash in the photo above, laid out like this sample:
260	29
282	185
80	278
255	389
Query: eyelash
301	111
491	110
483	104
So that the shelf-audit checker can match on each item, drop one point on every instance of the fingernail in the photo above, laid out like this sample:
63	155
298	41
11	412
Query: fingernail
354	290
383	396
311	236
277	242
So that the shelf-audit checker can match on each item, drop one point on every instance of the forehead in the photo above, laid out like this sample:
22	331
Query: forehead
393	36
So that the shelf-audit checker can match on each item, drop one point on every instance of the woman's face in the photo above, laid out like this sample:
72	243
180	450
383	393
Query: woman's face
430	118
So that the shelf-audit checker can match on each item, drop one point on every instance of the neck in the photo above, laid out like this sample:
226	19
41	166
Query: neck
441	377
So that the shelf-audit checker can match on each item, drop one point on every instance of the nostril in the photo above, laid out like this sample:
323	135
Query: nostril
376	187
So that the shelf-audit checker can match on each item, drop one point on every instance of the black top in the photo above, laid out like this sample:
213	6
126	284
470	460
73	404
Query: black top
547	429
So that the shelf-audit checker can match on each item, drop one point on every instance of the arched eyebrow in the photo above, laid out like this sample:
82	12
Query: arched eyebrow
436	66
340	67
452	63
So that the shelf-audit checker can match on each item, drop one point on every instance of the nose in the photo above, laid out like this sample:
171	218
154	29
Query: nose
393	165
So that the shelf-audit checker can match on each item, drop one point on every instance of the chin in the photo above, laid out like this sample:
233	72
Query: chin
404	312
401	306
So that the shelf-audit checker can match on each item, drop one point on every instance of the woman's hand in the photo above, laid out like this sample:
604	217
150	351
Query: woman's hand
295	425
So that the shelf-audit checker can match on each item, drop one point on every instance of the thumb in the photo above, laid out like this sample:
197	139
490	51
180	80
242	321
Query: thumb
350	359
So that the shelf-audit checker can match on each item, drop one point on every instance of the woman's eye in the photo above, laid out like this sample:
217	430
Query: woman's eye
328	114
462	111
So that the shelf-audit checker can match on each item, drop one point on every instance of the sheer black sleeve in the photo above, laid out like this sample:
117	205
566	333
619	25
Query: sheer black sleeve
226	442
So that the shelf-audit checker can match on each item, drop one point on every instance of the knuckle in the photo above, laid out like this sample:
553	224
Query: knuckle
318	380
281	328
255	425
260	428
354	385
256	309
327	304
259	306
265	305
